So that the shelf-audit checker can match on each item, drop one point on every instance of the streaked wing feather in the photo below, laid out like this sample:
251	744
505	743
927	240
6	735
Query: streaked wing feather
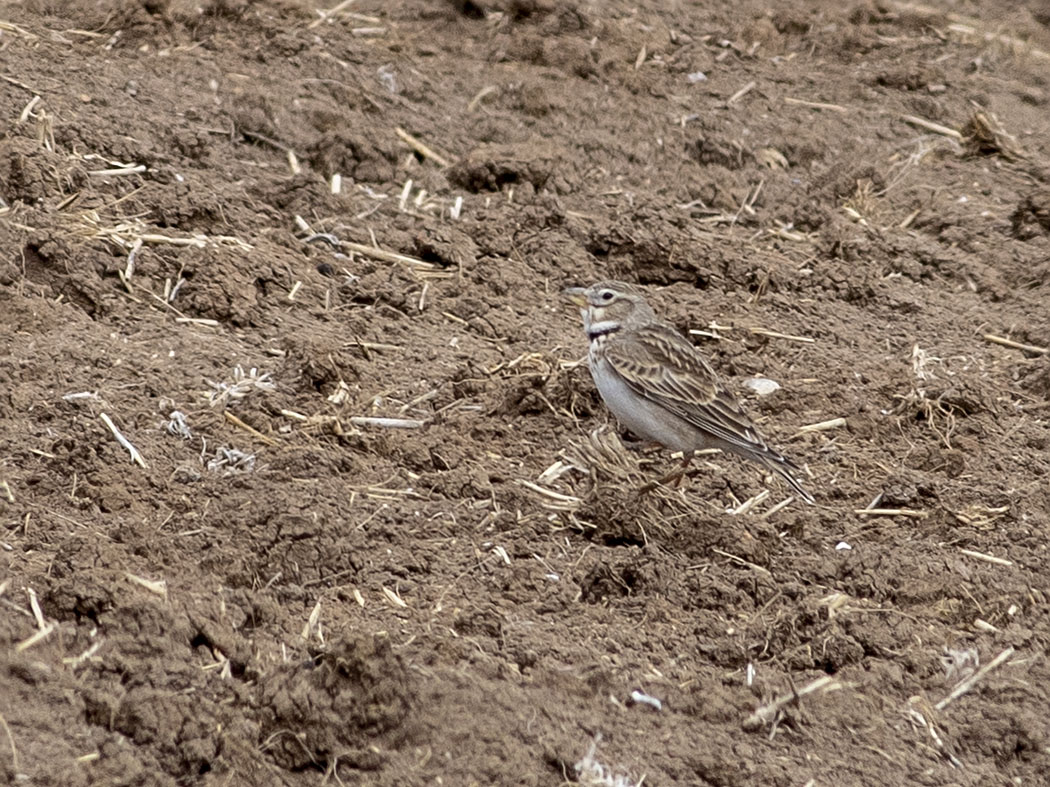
661	365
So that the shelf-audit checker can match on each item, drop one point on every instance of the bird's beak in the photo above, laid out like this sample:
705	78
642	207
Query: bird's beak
576	295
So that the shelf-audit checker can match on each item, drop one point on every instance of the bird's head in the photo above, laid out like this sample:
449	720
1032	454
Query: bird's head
608	306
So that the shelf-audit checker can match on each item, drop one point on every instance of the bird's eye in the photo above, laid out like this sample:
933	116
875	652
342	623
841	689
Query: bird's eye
607	295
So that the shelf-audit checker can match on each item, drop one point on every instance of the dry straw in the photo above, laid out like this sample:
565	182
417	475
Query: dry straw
616	494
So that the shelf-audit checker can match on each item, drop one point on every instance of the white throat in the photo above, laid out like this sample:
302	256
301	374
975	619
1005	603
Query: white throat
596	330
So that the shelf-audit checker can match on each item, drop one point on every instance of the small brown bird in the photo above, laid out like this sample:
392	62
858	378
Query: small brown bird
660	387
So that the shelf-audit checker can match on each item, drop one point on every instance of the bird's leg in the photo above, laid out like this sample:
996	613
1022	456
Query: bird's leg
648	446
643	447
674	478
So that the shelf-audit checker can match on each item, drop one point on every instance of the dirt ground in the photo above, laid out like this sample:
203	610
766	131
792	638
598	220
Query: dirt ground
234	229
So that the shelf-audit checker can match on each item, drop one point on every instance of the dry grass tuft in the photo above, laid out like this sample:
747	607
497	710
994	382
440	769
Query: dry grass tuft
610	491
591	772
984	135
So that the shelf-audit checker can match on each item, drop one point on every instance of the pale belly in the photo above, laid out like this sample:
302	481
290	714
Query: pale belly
643	418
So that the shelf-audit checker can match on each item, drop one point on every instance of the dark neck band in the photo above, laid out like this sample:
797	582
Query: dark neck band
592	335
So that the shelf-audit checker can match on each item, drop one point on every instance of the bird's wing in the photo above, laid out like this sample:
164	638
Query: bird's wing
660	364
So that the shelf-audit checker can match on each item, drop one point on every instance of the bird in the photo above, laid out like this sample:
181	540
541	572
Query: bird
660	387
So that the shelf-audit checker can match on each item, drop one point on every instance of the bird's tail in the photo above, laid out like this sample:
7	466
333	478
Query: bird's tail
786	469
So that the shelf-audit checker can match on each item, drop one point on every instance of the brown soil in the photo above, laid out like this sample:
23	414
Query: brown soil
287	596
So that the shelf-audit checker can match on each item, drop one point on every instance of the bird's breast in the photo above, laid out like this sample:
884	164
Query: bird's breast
643	417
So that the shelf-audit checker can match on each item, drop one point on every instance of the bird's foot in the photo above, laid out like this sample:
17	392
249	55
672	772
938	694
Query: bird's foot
673	478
